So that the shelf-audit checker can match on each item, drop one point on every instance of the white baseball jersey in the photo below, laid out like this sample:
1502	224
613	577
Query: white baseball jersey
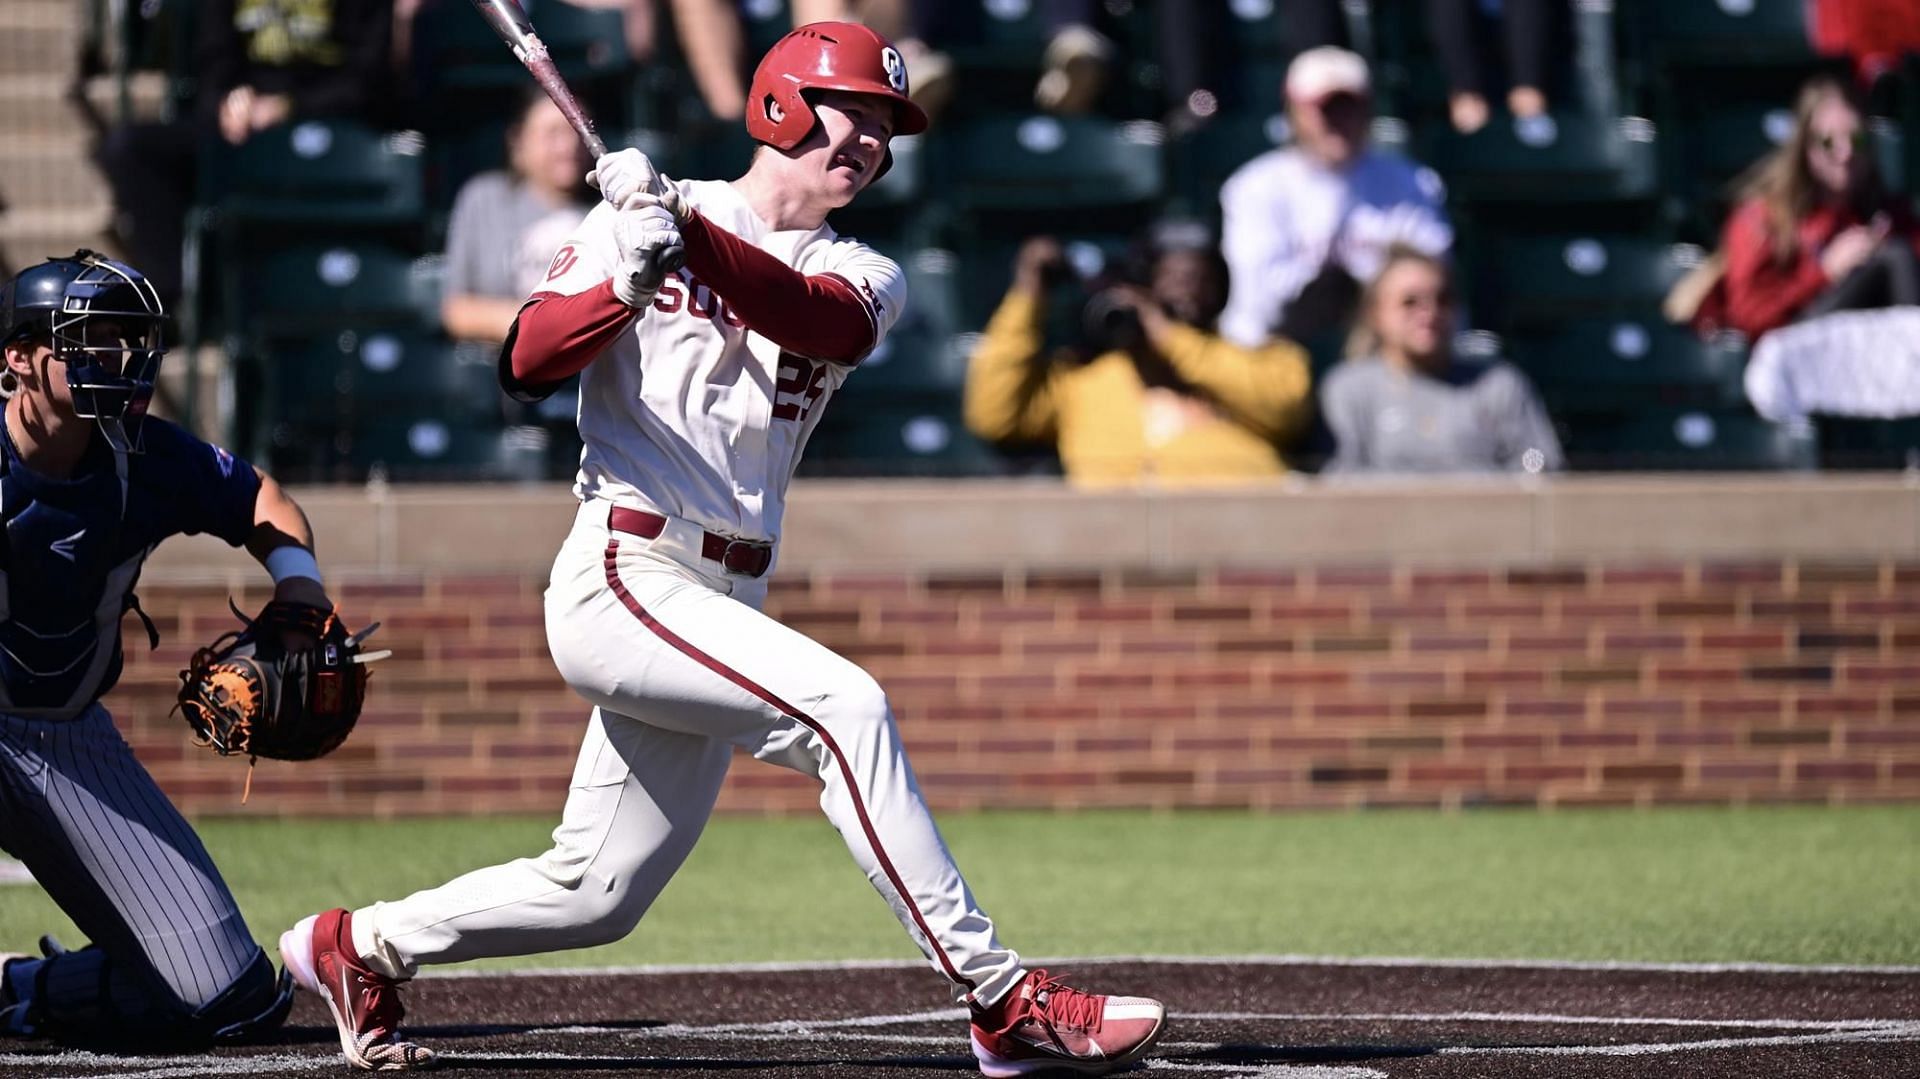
689	413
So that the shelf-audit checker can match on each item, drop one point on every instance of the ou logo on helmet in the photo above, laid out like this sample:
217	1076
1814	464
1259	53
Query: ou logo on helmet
896	69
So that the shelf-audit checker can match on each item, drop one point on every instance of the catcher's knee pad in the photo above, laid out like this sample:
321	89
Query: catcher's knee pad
255	1003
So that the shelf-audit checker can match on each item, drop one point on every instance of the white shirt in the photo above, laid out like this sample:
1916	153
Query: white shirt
690	414
1284	216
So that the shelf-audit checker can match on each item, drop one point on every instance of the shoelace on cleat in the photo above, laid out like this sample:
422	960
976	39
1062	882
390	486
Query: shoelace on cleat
1057	1004
380	1005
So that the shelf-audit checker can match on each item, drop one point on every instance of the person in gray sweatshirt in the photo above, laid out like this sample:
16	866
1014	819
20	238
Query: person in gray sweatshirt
1402	402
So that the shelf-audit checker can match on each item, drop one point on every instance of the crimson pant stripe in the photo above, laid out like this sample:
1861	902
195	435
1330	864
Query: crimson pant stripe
846	770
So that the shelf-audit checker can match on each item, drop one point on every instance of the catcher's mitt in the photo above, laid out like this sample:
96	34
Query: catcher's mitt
249	693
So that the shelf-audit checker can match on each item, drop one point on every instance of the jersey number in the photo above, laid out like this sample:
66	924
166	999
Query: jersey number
800	384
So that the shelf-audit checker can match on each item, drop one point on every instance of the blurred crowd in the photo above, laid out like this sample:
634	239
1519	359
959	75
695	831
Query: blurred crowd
1196	356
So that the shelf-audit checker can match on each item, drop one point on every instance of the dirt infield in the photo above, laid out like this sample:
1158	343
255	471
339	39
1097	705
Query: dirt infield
1256	1019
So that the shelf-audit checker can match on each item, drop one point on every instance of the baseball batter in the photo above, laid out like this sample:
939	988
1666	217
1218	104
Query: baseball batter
88	488
697	397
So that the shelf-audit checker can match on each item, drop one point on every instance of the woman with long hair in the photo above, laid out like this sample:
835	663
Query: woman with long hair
506	224
1402	402
1816	230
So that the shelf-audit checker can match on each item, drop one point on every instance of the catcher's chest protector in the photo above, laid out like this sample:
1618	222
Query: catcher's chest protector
65	579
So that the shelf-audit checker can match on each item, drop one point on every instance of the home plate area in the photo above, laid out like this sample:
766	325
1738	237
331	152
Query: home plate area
1271	1018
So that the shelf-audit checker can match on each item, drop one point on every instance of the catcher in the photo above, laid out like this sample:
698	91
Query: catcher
89	486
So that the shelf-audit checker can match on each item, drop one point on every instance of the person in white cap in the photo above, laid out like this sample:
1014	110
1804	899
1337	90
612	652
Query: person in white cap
1306	227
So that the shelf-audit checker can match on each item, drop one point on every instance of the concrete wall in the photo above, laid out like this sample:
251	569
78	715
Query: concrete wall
1584	640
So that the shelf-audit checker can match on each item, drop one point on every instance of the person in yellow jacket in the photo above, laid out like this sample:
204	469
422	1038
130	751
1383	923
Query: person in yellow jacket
1163	399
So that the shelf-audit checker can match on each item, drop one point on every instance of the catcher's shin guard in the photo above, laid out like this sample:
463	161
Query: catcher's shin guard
84	997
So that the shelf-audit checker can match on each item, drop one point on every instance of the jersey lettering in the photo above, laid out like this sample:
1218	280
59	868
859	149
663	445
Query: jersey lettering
671	295
685	290
798	387
563	261
701	301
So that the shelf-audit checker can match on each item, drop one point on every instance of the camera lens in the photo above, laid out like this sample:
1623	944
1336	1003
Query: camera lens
1108	322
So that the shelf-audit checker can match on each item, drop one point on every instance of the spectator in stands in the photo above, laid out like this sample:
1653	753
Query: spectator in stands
1816	230
1457	28
1822	269
1080	55
1401	402
506	225
1307	226
1153	393
259	63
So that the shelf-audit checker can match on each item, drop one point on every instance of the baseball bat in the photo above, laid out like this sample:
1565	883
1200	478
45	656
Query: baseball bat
509	20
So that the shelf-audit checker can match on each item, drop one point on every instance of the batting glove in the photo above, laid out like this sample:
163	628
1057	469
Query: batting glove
623	174
647	236
668	198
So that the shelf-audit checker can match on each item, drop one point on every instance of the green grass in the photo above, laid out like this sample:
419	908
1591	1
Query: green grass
1794	885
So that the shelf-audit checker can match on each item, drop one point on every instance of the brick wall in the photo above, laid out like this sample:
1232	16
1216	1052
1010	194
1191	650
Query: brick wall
1594	682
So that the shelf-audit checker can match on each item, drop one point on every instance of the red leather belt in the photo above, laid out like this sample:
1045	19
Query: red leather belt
749	558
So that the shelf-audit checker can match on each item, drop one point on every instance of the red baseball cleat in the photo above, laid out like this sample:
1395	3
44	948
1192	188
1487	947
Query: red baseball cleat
1043	1024
365	1004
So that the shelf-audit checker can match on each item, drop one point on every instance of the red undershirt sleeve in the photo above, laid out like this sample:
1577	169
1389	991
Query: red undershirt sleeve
555	336
821	316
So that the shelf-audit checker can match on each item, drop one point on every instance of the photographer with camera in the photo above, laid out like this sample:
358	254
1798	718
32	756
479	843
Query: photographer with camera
1151	392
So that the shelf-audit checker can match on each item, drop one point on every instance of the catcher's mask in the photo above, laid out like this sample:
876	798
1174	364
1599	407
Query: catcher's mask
105	323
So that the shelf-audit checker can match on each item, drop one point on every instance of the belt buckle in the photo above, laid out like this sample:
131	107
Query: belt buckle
745	556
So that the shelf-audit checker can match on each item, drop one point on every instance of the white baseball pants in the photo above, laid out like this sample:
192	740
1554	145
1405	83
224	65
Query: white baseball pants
681	666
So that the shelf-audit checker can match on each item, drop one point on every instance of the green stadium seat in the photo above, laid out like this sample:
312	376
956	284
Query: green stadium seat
1890	143
326	389
1040	163
764	22
919	354
921	436
316	172
456	156
1694	440
301	290
425	447
1539	279
1256	86
912	360
1255	28
1851	443
1012	36
1723	32
1564	157
714	152
453	48
1622	364
1712	141
388	371
1203	160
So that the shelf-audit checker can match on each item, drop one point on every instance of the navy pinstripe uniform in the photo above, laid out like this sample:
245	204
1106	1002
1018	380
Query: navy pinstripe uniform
170	957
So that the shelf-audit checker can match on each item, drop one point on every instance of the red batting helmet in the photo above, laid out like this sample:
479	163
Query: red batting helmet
826	56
